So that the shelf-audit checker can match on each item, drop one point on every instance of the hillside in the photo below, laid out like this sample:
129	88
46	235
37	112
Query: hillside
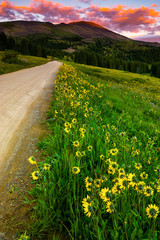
82	29
25	28
18	63
90	30
86	30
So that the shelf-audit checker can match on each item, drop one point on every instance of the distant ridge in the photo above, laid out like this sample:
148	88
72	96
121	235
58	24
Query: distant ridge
25	28
84	29
88	31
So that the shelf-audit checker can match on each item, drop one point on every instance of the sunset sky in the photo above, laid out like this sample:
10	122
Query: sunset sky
138	19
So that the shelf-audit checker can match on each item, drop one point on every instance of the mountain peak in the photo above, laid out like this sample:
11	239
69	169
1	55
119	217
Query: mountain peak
91	30
93	24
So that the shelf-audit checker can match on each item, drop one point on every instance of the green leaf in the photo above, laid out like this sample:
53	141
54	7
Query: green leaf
134	213
134	234
140	233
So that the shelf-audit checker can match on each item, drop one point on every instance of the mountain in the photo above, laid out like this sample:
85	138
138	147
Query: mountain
88	31
85	30
25	28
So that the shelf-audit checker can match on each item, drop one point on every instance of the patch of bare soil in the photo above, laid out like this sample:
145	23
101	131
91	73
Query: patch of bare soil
14	214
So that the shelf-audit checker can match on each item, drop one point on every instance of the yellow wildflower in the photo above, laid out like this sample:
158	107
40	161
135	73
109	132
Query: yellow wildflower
144	175
74	120
90	148
113	151
102	157
76	143
78	154
105	194
32	160
35	175
97	182
47	166
75	170
152	211
110	207
140	186
67	124
67	130
148	191
138	166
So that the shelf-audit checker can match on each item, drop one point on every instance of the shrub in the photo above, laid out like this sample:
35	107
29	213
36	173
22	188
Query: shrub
11	57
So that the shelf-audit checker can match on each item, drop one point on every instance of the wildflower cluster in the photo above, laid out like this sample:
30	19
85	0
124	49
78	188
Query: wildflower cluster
98	165
40	169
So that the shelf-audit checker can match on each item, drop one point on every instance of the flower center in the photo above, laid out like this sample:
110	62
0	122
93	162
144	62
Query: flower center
125	183
114	165
140	187
148	190
90	180
108	195
153	212
134	179
90	209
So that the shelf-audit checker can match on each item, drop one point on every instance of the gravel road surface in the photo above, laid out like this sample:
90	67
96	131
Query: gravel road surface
18	92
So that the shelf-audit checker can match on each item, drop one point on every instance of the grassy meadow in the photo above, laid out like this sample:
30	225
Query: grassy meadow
24	61
98	178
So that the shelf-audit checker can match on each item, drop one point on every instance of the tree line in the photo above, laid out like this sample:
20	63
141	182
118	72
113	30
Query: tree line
155	69
38	46
91	58
103	53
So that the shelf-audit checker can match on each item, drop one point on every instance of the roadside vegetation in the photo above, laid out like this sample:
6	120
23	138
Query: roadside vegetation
11	61
98	177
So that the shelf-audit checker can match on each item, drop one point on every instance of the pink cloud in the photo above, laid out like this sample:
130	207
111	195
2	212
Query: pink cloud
155	38
118	18
52	12
5	10
121	19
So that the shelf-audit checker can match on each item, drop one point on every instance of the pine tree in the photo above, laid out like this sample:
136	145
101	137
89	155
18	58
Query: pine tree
3	41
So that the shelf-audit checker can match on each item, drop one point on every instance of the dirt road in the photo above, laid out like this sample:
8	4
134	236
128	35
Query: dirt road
18	92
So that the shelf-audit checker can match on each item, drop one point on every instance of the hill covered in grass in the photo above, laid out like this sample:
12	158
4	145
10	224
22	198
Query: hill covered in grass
147	85
19	63
82	29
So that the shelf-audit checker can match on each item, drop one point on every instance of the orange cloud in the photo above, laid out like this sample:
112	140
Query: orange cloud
118	18
49	11
154	5
125	19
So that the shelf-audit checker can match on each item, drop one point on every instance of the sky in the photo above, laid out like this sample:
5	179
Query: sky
137	19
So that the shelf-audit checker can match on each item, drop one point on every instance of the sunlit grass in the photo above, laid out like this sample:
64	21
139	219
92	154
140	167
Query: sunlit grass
99	178
141	83
25	62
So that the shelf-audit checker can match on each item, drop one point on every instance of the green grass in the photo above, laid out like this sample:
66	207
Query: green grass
104	138
25	62
141	83
60	33
138	95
